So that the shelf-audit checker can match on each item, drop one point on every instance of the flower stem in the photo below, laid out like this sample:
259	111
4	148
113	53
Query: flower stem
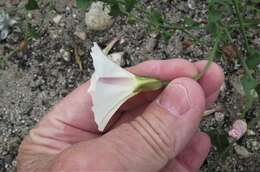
149	84
243	31
210	60
167	26
241	23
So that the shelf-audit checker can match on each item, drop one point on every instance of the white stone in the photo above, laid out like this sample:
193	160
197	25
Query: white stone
67	8
250	132
29	15
57	19
242	152
191	4
65	55
219	116
98	17
255	145
81	35
235	82
53	34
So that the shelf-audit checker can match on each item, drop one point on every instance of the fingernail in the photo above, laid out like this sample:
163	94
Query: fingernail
175	98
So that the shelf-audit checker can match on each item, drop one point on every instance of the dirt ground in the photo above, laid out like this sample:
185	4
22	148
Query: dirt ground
34	81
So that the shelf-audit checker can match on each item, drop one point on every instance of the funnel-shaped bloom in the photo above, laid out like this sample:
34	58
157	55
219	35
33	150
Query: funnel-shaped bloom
112	85
238	129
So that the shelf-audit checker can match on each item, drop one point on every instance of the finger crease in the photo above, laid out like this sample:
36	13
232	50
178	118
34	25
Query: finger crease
153	143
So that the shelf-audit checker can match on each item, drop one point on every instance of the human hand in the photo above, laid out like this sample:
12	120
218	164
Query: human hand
155	131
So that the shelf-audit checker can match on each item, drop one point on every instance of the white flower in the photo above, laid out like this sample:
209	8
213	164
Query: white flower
98	17
238	129
112	85
5	23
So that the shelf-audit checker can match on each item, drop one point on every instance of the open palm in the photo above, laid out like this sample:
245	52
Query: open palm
142	136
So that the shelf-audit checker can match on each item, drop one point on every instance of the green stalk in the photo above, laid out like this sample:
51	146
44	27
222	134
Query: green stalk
184	30
241	23
149	84
164	26
4	58
210	59
243	31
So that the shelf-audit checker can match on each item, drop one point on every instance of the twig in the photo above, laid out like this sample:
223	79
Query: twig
213	110
111	45
77	58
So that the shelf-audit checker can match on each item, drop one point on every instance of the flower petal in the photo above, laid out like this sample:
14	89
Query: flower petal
105	68
110	87
109	95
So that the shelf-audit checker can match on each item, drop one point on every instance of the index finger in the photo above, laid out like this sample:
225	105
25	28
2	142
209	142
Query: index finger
75	109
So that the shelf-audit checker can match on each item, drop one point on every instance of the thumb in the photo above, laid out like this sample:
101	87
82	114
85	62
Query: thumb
152	139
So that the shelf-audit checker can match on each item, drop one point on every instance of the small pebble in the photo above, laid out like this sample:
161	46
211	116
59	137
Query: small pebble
81	35
250	132
235	82
53	35
65	55
29	15
255	145
122	41
57	19
256	41
242	152
238	129
67	8
98	17
151	44
191	4
223	87
219	116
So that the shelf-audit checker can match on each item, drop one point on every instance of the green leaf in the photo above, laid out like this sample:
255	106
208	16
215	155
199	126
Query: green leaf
2	62
32	32
167	36
131	20
116	8
155	18
189	22
120	7
220	2
253	59
219	140
217	10
214	18
129	5
248	84
257	89
84	4
32	5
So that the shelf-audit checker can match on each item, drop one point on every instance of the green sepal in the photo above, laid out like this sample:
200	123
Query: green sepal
148	84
